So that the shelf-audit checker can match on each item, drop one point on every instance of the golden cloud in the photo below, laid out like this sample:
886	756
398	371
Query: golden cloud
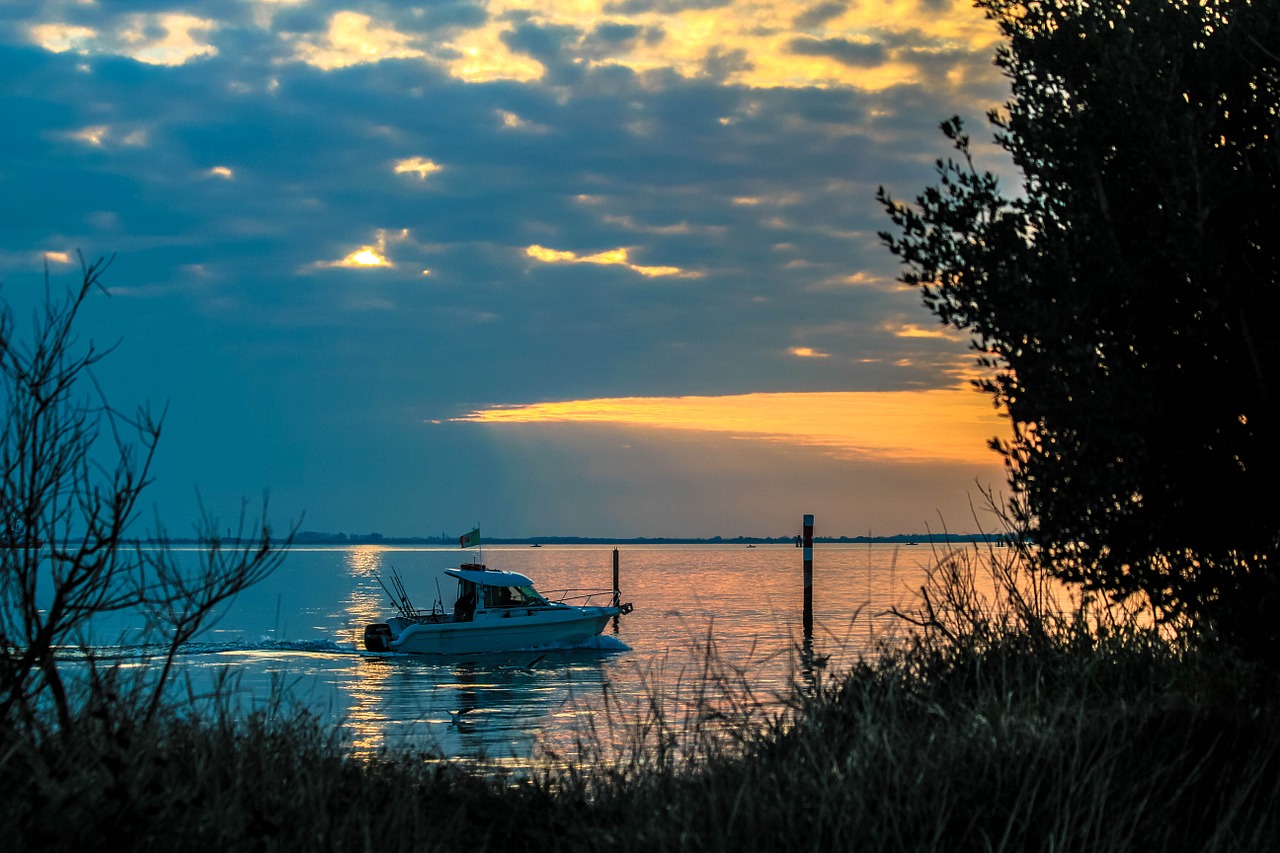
367	257
948	425
355	39
911	330
609	257
751	43
780	44
419	166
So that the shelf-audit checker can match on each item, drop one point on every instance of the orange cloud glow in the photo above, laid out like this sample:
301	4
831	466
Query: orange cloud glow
870	46
610	257
940	425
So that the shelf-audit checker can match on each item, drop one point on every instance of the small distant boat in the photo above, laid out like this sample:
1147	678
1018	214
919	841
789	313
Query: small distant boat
494	611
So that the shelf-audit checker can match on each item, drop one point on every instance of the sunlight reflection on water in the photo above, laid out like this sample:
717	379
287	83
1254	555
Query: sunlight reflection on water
727	610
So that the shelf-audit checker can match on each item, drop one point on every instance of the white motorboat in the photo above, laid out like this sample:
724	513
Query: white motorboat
494	611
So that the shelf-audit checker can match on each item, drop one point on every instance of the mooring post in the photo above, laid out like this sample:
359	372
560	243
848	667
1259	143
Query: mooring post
808	576
617	594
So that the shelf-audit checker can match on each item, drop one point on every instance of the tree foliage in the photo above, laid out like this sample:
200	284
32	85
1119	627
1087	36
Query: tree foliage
72	471
1124	301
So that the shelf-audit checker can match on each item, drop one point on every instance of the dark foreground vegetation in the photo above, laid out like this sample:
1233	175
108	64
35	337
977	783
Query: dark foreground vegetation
1002	724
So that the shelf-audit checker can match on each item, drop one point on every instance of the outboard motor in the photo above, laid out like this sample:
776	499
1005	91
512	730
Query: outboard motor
377	637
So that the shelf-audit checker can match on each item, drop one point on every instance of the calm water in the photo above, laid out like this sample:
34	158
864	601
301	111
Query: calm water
302	629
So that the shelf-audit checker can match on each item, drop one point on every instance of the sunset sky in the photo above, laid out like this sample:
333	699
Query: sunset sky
569	267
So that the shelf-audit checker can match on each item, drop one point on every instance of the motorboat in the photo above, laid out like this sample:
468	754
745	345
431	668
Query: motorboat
494	611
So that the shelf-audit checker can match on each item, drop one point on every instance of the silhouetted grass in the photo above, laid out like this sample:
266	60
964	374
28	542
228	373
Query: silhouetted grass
1006	721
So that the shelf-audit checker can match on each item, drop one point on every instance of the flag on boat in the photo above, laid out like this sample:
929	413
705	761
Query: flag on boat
469	539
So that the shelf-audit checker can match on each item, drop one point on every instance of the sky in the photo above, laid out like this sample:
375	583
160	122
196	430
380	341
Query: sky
601	268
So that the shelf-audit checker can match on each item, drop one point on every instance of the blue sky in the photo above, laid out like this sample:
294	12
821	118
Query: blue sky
578	268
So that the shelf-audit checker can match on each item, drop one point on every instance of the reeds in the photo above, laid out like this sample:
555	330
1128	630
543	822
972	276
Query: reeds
1013	717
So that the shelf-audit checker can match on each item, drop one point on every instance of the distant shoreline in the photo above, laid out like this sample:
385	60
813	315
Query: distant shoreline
311	537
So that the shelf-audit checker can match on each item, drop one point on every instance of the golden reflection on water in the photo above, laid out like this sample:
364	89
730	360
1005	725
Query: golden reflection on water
367	724
715	640
489	705
367	601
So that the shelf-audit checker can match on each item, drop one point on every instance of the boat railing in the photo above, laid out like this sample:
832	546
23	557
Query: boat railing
580	597
435	614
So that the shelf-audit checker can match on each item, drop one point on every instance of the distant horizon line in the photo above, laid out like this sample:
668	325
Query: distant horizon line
312	537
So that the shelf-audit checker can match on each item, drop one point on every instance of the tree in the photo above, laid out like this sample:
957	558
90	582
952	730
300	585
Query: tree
1121	301
72	470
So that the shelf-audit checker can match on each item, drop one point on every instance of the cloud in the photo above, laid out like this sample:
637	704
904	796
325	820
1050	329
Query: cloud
952	426
420	166
510	121
864	54
94	135
610	257
819	14
63	37
353	39
913	330
483	55
182	38
367	257
156	38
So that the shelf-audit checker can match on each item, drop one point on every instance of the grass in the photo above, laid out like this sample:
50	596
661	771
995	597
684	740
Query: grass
1004	722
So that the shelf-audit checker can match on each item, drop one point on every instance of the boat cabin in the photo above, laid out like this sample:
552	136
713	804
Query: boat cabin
481	589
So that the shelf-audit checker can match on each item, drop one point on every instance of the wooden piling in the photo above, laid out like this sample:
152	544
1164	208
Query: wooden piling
808	576
617	593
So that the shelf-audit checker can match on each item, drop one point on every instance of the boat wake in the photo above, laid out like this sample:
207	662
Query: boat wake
147	652
265	644
604	643
599	643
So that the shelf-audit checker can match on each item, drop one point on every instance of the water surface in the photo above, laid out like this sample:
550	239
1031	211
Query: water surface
729	612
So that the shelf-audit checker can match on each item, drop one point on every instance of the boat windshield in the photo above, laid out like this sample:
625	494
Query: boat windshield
512	596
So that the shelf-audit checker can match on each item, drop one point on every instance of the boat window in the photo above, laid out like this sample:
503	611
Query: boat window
530	596
512	596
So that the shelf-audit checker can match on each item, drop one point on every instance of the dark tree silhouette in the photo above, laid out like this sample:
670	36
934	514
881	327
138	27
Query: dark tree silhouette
1123	300
72	471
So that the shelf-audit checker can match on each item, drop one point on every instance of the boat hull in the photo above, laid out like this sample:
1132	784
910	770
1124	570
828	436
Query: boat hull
504	631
